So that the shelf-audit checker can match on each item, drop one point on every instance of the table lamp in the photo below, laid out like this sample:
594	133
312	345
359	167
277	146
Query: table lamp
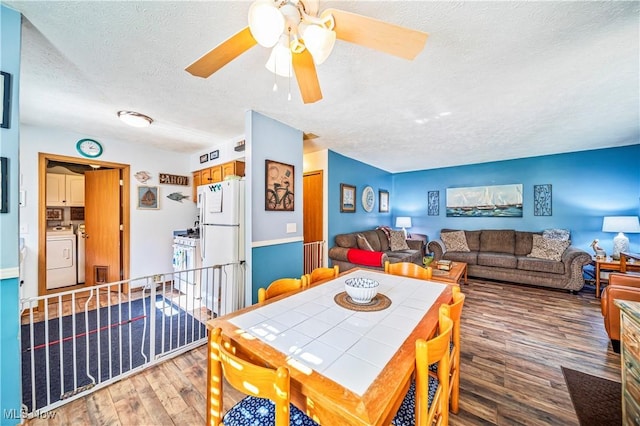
620	224
403	222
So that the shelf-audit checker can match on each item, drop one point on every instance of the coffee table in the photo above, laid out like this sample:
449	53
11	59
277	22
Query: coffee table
458	269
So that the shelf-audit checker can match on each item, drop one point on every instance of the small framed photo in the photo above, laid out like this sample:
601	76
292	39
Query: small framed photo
54	214
148	198
347	198
214	154
204	158
383	201
5	94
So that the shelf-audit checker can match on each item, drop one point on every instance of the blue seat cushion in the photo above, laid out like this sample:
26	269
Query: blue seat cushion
406	415
254	411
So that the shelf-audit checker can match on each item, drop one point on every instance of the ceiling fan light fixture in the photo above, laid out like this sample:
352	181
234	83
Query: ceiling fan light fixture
266	22
279	61
135	119
318	40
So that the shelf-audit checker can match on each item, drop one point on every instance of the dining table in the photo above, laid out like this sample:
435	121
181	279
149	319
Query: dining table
349	363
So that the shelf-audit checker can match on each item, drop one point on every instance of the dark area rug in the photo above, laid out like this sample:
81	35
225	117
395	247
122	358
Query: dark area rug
96	347
597	401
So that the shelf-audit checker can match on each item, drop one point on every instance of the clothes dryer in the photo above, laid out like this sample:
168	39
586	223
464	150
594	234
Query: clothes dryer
61	257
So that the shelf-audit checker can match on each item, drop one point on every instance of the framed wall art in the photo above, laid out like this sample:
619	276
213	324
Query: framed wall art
347	198
213	155
4	187
279	181
485	201
204	158
433	203
54	214
383	201
542	200
148	198
5	92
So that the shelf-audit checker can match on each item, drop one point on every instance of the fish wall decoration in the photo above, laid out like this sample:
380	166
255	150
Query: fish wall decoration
176	196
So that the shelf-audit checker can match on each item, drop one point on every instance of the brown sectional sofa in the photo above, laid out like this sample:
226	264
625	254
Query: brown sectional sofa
339	254
501	254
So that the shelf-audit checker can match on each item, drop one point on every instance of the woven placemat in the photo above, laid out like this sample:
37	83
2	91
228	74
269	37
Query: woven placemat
378	303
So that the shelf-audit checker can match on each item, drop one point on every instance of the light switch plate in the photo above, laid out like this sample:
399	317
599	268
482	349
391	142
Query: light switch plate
291	228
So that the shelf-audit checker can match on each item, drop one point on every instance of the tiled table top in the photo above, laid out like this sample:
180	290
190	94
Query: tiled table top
349	347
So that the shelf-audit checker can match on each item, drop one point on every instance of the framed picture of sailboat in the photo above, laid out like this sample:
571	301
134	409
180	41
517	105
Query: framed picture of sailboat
485	201
148	198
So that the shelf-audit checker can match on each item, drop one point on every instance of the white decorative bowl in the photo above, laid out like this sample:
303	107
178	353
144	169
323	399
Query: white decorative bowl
361	290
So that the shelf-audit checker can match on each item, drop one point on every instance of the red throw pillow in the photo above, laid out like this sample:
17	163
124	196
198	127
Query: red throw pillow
364	257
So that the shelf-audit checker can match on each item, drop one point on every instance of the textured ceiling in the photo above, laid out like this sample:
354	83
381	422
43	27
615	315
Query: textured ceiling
496	80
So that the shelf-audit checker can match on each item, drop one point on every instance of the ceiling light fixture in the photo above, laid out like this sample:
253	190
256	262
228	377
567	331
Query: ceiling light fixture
135	119
272	21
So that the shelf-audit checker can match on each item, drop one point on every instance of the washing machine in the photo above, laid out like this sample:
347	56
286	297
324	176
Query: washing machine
61	257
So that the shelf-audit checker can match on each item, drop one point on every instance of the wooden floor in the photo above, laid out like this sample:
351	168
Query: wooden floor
514	341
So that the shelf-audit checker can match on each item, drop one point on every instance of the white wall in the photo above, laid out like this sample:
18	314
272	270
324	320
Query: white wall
151	230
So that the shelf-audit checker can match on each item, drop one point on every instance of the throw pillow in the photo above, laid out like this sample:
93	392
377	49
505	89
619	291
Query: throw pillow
363	244
397	241
454	241
556	234
544	248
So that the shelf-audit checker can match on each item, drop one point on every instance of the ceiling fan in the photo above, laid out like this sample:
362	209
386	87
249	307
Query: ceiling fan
302	38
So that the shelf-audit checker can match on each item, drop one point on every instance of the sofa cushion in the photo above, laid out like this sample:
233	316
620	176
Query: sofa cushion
473	238
364	257
540	265
454	241
376	239
524	242
544	248
498	241
556	234
346	240
499	260
363	244
470	258
398	241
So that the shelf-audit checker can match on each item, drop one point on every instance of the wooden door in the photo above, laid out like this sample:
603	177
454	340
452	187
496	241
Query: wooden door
102	222
197	181
312	206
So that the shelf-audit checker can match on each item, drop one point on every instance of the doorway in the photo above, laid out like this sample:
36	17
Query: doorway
109	261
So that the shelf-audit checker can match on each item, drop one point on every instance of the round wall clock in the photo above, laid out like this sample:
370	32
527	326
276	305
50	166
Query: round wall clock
368	199
89	148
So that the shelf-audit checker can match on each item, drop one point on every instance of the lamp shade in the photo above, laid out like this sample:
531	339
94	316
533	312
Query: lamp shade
279	61
318	40
403	222
621	224
266	23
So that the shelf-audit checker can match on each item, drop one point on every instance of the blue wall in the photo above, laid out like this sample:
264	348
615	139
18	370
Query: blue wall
353	172
10	21
275	253
586	186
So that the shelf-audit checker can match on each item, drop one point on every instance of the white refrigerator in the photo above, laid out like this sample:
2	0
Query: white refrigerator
221	206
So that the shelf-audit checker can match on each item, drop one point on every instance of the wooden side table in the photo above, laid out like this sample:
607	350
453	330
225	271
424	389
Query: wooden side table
609	264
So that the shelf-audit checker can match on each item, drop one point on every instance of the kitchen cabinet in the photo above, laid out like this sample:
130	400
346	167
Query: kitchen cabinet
215	174
65	190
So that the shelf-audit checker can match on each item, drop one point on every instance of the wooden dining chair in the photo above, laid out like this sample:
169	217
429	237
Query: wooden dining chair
278	287
321	274
407	269
453	311
427	401
268	390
